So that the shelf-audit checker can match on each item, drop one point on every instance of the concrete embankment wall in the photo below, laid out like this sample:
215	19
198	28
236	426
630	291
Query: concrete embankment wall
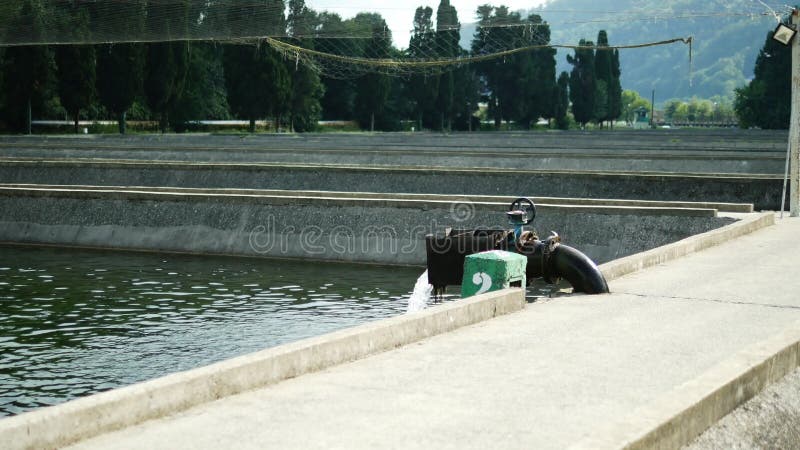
619	140
763	191
697	162
559	201
387	231
613	152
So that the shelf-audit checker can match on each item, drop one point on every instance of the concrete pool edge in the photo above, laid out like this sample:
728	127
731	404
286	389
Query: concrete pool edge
558	201
378	201
762	190
629	264
678	417
90	416
374	230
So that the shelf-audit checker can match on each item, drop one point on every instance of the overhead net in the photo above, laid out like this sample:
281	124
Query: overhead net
52	22
324	42
340	66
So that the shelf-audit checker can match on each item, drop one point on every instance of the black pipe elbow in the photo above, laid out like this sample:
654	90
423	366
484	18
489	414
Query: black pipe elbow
575	267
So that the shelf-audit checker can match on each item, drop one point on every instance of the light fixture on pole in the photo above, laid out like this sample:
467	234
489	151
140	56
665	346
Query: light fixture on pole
784	34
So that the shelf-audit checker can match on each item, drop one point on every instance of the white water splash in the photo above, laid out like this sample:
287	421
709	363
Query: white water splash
422	293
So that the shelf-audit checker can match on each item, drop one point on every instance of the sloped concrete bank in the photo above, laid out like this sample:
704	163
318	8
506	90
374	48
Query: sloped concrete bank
763	191
386	231
675	140
560	201
526	158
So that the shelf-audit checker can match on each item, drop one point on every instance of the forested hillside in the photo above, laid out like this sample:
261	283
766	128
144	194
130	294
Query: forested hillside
727	37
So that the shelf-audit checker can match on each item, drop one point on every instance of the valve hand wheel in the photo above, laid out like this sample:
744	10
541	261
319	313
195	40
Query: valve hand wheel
526	206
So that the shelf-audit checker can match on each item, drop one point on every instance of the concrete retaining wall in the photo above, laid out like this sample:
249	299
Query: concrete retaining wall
363	230
718	162
698	151
563	141
641	205
762	191
704	152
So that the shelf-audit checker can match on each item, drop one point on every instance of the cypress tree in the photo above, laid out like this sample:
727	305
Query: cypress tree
165	74
600	110
27	70
2	85
372	89
765	102
539	74
448	34
76	63
582	84
307	89
120	70
603	76
120	78
339	94
423	88
615	90
204	95
257	81
167	62
503	77
510	72
482	45
561	103
280	93
466	97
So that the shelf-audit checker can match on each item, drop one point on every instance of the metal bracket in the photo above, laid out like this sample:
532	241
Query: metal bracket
550	244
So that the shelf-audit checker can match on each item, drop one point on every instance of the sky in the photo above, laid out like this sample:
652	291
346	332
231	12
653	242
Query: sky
399	14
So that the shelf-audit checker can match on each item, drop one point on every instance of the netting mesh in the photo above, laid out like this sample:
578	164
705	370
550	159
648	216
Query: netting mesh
108	21
329	45
354	54
336	65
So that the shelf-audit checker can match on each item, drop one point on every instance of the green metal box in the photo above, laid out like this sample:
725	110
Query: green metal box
492	271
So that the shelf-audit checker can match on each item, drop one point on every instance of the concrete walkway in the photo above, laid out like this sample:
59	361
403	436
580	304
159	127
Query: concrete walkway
566	372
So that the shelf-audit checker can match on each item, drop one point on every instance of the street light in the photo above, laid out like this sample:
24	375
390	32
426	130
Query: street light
783	34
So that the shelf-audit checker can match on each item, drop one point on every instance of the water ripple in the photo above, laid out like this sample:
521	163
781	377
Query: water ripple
74	322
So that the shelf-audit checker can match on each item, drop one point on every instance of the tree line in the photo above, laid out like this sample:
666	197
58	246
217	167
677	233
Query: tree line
717	110
177	82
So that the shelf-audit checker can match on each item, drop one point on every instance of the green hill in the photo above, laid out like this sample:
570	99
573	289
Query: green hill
727	38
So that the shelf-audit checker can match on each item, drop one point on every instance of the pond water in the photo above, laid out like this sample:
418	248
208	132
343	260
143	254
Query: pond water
77	322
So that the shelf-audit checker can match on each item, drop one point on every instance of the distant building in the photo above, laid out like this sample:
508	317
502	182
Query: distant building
642	118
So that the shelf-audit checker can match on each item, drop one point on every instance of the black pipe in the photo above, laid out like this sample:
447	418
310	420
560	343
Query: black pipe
546	259
580	271
562	261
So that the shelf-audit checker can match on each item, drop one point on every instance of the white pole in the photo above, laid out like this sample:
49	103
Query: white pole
794	126
785	179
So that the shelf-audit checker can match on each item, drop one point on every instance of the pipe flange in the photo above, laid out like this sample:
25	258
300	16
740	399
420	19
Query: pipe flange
523	246
550	244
